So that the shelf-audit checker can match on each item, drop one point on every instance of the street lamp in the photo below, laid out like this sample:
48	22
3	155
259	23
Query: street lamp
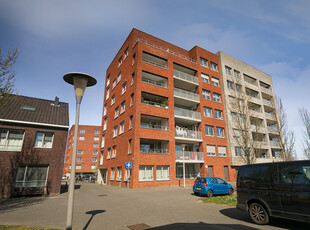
80	82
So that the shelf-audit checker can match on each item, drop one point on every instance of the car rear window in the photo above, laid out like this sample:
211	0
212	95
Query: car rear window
201	180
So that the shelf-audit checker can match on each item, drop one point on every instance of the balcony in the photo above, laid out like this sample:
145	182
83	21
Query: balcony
275	144
187	116
187	135
153	79
185	80
153	60
151	146
154	151
154	100
152	122
189	156
266	90
268	103
152	126
273	130
186	98
270	116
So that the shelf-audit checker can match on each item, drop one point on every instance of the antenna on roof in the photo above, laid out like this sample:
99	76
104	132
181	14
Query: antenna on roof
56	102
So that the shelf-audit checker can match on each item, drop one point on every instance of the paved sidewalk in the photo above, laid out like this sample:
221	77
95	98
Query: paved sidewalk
108	207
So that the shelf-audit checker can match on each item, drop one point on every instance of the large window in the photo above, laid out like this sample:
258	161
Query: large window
130	146
215	81
119	77
94	159
222	151
204	62
116	112
146	173
31	176
124	87
96	138
207	112
211	150
209	130
162	172
123	107
82	130
227	70
220	132
119	174
115	131
213	66
121	127
79	159
112	176
218	114
206	94
205	78
217	97
114	84
44	140
113	99
108	94
114	151
237	151
11	140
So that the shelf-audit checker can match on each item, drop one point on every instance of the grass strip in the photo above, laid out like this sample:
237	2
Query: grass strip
21	227
227	200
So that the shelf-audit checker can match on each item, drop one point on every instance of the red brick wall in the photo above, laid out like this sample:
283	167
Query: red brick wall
54	157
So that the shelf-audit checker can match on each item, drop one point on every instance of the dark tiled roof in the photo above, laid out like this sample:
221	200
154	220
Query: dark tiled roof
45	111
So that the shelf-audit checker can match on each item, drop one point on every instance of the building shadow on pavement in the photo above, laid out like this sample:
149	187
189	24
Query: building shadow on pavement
92	213
201	226
12	204
276	222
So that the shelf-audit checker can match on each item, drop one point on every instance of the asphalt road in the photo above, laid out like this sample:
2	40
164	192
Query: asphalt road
108	207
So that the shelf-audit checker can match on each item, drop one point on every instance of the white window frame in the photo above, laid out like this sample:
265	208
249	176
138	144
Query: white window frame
116	112
121	127
108	80
228	70
94	159
109	154
220	112
81	138
95	152
115	131
143	170
123	107
112	176
5	144
205	78
204	62
213	66
43	141
105	109
113	99
124	87
114	84
114	151
119	77
129	146
207	128
217	97
221	132
160	172
205	110
206	94
108	93
211	151
96	138
215	81
119	173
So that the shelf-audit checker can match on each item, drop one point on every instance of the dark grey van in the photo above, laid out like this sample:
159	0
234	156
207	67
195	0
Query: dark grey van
280	189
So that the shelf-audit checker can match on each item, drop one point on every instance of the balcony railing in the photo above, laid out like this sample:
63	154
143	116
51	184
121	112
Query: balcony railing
252	82
187	113
151	82
154	63
270	116
268	103
184	76
188	134
154	151
150	126
189	156
187	175
156	104
272	129
274	144
186	94
266	90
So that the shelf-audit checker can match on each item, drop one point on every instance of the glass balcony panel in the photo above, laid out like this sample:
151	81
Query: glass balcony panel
187	113
184	76
186	94
189	156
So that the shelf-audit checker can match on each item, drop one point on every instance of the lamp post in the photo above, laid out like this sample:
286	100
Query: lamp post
183	149
80	82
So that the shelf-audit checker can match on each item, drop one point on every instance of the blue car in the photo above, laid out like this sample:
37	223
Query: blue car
211	185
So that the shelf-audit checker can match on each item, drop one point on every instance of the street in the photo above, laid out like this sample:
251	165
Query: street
107	207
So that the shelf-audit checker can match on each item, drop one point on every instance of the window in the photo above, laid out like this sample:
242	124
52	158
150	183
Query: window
130	122
81	138
116	112
113	99
222	151
93	166
230	85
146	173
127	175
44	140
209	130
82	130
236	73
112	174
211	150
124	87
108	80
237	151
120	61
94	159
119	174
11	140
78	159
108	94
119	77
95	152
105	124
218	114
114	84
102	141
126	53
207	112
220	132
204	62
31	176
97	131
77	166
132	99
215	81
109	154
132	78
130	146
205	78
80	152
121	127
115	131
206	94
123	107
162	172
96	138
213	66
105	110
217	97
133	59
95	145
227	70
114	151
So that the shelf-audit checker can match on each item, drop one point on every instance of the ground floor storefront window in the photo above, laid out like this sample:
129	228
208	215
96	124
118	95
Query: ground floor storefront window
31	176
191	171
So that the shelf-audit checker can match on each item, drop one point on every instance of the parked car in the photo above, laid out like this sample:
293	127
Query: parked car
280	189
211	186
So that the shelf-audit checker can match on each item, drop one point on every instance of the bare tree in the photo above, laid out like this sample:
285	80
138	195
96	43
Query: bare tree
287	137
7	74
245	125
305	117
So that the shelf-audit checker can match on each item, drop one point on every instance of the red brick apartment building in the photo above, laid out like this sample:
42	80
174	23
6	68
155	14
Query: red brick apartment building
33	135
163	107
87	150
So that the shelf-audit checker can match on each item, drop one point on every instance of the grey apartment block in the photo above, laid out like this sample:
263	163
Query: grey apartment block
260	94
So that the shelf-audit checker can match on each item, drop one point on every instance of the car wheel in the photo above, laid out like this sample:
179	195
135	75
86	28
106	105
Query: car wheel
196	193
258	214
230	191
210	193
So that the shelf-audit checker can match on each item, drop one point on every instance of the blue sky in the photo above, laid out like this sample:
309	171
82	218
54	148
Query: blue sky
57	37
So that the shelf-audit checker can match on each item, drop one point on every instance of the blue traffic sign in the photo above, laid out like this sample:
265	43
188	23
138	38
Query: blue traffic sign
128	165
